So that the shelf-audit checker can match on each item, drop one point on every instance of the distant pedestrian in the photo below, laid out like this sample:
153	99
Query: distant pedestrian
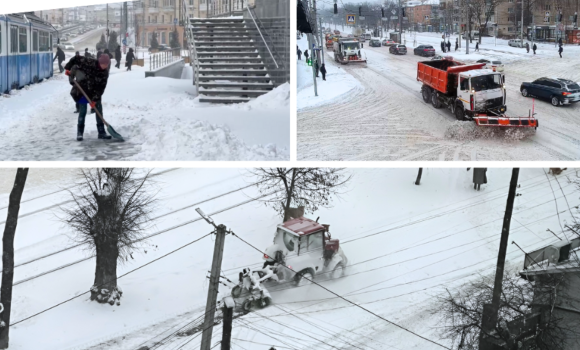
129	59
456	44
118	57
60	56
316	68
443	46
560	41
534	48
528	47
88	54
448	46
560	49
306	54
477	46
323	71
299	53
479	177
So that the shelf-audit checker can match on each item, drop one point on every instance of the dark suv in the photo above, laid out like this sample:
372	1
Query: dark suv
398	49
424	50
558	91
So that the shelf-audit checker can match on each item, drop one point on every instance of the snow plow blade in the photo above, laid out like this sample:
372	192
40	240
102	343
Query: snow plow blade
506	121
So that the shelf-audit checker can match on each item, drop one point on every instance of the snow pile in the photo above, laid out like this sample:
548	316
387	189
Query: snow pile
469	131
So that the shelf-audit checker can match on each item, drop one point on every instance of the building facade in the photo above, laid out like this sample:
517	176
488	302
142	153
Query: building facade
160	18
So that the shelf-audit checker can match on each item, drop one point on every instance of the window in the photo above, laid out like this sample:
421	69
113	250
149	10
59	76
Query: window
43	42
510	10
162	36
35	40
547	7
13	39
162	18
464	84
511	29
315	242
190	2
289	241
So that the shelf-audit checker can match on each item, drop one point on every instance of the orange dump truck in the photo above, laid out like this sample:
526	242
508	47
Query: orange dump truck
469	91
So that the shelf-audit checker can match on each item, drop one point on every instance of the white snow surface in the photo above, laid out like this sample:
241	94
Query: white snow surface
383	116
160	119
405	243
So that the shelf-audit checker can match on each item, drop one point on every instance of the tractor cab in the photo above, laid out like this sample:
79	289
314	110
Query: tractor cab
307	248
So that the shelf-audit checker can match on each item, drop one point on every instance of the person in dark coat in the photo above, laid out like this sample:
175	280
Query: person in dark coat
456	44
61	57
528	47
479	177
323	71
306	54
477	46
560	49
299	53
88	54
534	48
129	59
443	46
316	68
118	57
448	46
92	76
560	41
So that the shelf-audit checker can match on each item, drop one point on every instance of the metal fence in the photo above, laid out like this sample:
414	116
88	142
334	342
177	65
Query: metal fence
160	59
220	8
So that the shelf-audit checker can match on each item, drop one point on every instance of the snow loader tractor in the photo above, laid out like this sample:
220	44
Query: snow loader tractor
308	250
347	50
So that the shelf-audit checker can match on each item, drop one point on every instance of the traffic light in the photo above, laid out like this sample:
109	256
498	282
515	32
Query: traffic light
335	9
360	10
382	12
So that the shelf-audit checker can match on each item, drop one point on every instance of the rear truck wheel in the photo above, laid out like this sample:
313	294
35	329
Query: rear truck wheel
459	113
247	305
555	101
264	302
236	291
525	92
426	92
435	100
303	278
338	271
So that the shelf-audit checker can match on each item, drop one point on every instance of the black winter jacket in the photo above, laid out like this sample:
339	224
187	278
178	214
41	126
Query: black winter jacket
89	75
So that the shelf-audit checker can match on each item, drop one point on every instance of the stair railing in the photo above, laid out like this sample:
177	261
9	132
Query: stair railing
193	58
250	11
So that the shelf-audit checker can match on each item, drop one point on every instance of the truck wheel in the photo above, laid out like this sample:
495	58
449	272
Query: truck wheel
555	101
303	278
338	271
247	305
460	113
265	302
525	92
236	291
426	92
435	100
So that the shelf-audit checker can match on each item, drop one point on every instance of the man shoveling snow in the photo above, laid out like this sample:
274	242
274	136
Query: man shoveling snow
91	75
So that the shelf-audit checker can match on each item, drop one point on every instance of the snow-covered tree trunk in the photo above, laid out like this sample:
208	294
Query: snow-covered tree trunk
105	288
8	254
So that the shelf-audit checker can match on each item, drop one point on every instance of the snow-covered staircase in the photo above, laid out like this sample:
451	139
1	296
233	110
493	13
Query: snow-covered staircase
230	68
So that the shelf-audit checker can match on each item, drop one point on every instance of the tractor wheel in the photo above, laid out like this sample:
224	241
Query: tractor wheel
555	101
426	92
435	100
303	278
525	92
338	271
460	113
247	305
264	302
236	291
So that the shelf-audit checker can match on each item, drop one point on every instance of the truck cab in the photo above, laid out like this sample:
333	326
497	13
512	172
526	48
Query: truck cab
307	248
481	90
347	50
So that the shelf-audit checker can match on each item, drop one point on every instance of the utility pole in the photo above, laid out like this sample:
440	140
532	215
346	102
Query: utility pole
468	27
228	316
400	23
490	311
522	24
322	43
214	280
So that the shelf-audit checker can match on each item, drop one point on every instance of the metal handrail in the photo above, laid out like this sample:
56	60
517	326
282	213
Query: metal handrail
193	59
264	40
160	59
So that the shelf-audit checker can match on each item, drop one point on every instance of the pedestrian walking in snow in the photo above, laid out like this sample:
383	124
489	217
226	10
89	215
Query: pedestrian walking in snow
448	46
87	53
443	46
456	44
560	41
560	49
477	46
60	56
479	177
306	54
323	71
528	47
92	76
534	48
299	53
129	59
118	57
316	68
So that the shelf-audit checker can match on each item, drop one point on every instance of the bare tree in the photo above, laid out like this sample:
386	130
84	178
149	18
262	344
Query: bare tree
483	10
308	187
462	313
111	211
8	254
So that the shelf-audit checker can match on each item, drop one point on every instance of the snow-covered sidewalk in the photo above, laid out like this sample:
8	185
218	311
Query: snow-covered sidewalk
160	118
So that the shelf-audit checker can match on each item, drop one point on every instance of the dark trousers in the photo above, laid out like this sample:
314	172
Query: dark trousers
323	76
83	113
118	65
534	52
299	57
60	67
129	65
560	54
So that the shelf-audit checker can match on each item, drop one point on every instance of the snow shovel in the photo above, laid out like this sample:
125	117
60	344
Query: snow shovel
109	127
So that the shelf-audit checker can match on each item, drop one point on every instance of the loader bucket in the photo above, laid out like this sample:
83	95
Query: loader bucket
503	121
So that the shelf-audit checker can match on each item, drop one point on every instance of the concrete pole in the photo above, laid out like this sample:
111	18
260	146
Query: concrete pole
490	313
214	280
313	59
228	313
400	23
322	43
522	24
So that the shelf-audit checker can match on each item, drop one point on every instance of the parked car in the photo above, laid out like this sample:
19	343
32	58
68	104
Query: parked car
398	49
558	91
67	46
424	50
388	42
516	43
492	64
162	47
336	32
375	42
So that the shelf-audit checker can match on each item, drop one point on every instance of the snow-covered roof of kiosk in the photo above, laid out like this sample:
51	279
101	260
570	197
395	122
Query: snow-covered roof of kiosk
301	226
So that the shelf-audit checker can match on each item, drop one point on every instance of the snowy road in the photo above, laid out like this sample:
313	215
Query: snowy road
388	120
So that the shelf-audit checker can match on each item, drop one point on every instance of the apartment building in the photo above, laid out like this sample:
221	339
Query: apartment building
158	16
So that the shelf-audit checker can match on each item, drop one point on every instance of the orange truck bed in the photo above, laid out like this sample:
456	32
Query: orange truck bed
436	74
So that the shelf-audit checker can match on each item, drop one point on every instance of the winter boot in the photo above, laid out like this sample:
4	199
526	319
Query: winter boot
80	131
102	134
